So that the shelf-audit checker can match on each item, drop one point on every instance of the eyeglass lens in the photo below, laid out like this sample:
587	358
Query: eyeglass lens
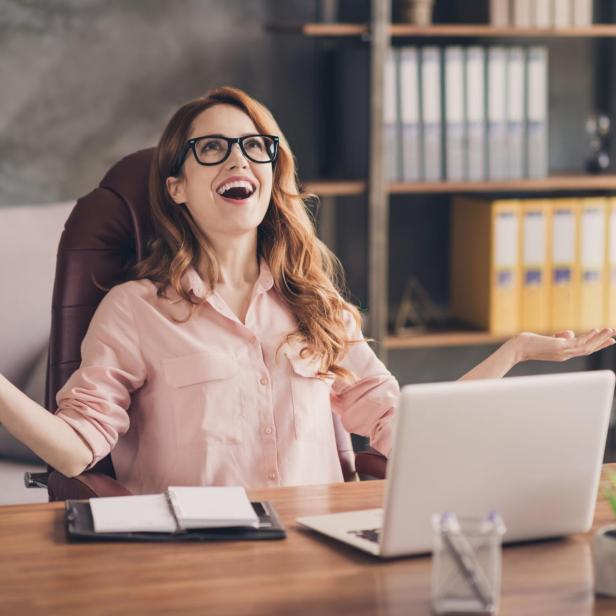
212	150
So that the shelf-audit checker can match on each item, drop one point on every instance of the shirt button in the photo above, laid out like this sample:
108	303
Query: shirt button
252	339
272	476
268	430
263	380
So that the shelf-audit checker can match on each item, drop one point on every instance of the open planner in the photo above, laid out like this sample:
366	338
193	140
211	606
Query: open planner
178	514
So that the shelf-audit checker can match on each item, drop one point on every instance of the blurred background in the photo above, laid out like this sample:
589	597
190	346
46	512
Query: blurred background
86	82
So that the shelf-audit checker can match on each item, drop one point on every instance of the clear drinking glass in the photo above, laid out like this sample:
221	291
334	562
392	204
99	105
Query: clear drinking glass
466	563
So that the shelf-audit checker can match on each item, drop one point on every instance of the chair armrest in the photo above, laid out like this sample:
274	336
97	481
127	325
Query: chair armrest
86	485
36	480
371	464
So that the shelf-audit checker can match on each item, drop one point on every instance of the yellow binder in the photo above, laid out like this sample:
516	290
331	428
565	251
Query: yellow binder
592	232
610	310
534	255
485	264
564	276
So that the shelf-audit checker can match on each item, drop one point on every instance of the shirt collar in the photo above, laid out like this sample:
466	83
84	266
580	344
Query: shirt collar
193	283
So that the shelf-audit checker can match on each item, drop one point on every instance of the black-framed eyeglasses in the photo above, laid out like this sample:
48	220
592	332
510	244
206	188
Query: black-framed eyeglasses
215	149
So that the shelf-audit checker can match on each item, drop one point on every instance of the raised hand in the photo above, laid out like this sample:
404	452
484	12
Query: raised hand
563	345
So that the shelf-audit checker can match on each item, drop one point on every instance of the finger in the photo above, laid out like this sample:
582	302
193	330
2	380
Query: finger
605	334
608	343
597	342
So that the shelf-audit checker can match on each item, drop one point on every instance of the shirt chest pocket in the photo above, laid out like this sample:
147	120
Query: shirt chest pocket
206	397
310	398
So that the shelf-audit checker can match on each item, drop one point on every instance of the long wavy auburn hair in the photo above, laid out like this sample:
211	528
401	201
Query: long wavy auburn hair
306	273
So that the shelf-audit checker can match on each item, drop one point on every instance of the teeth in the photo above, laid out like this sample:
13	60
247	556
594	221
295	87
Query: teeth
237	184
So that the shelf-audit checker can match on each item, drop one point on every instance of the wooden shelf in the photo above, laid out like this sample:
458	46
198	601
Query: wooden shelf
441	339
485	30
551	183
447	30
554	183
336	188
321	29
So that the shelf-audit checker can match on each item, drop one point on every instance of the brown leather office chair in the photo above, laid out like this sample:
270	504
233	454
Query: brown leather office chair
107	232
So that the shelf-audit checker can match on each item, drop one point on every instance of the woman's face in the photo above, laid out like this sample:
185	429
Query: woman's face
200	187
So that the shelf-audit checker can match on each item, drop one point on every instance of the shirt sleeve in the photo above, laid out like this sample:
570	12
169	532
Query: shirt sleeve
366	405
95	399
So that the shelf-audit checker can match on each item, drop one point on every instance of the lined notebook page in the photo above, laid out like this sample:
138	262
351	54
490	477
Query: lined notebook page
212	506
150	512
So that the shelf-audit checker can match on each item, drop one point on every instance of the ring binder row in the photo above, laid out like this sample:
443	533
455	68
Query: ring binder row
466	113
454	113
543	265
541	13
79	526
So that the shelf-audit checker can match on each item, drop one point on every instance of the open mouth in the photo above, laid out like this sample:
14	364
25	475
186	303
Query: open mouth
237	191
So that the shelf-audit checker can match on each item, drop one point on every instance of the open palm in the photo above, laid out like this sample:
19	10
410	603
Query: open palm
565	345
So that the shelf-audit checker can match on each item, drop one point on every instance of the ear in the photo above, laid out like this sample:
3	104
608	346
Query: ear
176	189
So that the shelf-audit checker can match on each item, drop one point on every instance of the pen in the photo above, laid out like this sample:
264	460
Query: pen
464	557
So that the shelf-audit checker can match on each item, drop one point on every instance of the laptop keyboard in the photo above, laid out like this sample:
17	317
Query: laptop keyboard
372	534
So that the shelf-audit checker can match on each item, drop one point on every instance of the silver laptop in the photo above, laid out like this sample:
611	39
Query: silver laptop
528	447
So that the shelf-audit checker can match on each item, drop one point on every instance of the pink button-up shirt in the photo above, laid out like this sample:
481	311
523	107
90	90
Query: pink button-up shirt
209	401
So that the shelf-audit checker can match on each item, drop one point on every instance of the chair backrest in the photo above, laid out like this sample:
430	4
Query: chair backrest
105	234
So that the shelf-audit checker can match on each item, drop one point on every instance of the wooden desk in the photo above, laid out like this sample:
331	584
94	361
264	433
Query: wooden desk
305	574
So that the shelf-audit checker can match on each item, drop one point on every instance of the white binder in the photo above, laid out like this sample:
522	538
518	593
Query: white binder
543	13
409	114
431	113
475	120
582	16
564	265
392	145
454	114
515	112
522	13
562	13
499	12
536	110
497	113
593	262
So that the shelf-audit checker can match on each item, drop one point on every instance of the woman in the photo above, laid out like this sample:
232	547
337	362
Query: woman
232	344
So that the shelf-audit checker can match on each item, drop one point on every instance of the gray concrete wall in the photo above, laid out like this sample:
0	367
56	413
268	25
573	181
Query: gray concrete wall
84	82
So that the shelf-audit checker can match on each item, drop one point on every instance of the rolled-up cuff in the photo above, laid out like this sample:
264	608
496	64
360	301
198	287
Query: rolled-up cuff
381	440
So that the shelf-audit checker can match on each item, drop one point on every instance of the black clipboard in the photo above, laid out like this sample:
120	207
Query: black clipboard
80	527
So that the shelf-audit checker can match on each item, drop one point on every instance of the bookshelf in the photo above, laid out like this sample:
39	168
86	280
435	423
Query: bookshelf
379	34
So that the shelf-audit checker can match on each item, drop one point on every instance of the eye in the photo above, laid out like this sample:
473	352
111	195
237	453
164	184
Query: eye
254	143
210	145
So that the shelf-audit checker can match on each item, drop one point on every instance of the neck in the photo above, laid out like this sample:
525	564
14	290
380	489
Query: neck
237	257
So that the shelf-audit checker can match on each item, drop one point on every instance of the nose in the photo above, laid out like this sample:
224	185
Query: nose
236	157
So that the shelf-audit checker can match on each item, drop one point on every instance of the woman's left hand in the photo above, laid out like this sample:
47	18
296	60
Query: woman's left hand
563	345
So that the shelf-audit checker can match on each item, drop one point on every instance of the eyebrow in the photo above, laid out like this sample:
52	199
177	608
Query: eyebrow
224	136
